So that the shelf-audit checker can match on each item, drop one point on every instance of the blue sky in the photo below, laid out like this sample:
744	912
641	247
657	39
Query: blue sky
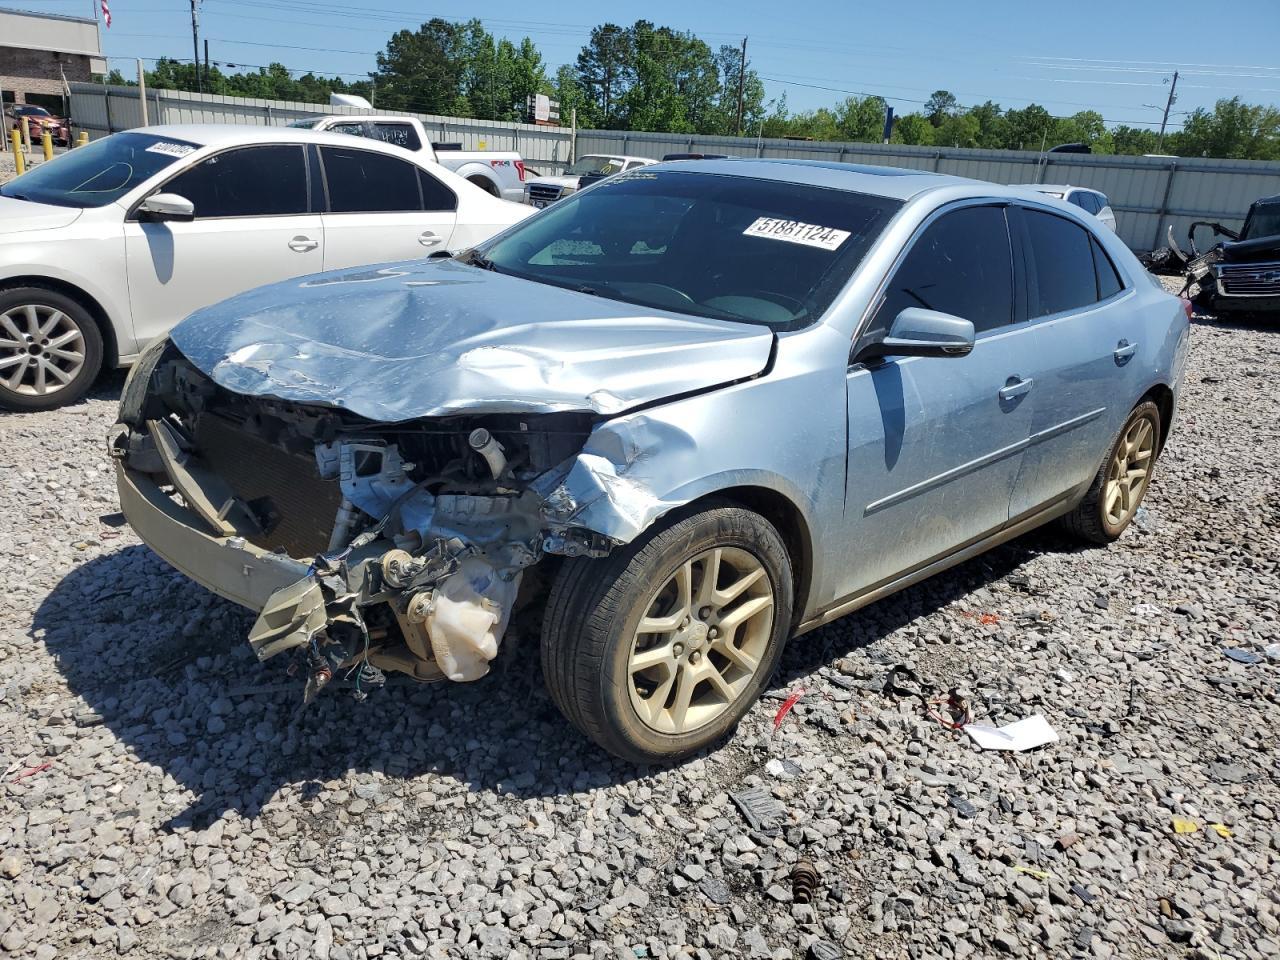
1113	55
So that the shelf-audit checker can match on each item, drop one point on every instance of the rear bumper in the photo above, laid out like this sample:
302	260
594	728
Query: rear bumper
229	566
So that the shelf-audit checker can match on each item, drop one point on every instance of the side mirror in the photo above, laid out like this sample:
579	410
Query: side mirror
917	332
166	206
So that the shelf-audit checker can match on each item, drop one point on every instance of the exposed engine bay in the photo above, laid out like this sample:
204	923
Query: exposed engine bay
419	536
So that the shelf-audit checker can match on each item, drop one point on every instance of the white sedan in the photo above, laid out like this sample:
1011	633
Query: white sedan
1090	201
108	246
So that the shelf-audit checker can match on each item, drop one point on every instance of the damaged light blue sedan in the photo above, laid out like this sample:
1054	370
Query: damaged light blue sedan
676	419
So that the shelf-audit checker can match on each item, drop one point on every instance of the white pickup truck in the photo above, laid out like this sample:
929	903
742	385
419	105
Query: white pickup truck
501	173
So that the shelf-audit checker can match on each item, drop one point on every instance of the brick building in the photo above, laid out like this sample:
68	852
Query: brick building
39	50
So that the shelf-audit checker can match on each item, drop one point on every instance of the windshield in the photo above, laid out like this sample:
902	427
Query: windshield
31	112
1263	222
100	172
584	165
734	248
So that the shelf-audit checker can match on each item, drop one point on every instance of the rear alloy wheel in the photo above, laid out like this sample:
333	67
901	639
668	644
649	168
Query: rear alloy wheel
658	649
1117	490
50	349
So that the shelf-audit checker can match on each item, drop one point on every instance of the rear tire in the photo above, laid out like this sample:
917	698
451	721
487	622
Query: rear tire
485	185
1117	490
50	349
660	648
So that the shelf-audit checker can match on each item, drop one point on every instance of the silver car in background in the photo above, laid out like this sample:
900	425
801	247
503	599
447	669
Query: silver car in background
682	416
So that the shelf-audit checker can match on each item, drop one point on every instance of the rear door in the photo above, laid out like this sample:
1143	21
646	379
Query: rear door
1088	341
382	208
935	443
253	225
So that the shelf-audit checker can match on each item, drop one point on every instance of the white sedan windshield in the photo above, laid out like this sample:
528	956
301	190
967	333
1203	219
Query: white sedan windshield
100	172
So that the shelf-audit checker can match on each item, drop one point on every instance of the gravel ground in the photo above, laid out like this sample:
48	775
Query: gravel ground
158	800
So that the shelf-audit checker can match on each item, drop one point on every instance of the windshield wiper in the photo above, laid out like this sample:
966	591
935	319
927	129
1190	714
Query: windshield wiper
478	260
16	196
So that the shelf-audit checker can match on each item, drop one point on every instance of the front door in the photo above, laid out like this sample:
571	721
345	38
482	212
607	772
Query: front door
382	209
251	227
935	444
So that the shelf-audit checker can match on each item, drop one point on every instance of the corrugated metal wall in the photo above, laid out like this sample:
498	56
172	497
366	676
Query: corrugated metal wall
1147	193
101	110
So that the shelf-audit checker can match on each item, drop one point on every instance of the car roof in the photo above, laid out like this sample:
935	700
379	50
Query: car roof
229	134
895	183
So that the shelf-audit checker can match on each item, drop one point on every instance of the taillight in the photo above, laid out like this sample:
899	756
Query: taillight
520	169
1186	307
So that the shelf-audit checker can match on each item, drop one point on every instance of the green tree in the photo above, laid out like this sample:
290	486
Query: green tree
1029	128
1084	127
993	127
914	129
729	66
1233	129
958	130
422	70
606	70
860	119
940	105
1134	141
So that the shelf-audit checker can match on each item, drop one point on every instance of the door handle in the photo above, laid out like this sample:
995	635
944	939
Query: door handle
428	239
301	244
1124	350
1015	388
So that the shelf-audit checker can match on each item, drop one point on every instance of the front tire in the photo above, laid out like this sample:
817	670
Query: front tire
50	349
1117	490
660	648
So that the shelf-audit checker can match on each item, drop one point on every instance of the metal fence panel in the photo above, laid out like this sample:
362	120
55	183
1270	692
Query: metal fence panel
1147	193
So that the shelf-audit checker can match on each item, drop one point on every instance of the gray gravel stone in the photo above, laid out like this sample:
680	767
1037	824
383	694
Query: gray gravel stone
188	812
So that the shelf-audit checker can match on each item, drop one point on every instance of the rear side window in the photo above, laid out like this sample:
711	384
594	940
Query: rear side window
266	181
435	195
400	134
1064	264
960	265
1108	279
1101	200
362	181
1085	201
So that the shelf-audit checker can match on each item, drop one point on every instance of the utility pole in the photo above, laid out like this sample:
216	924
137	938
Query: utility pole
142	93
195	45
742	74
1167	105
206	65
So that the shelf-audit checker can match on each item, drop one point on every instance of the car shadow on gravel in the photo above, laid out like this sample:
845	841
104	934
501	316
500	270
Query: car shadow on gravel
166	666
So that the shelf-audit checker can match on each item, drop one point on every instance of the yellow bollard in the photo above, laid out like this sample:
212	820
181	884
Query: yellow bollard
83	138
16	137
26	133
46	142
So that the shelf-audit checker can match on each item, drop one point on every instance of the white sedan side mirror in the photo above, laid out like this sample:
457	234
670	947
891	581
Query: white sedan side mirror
166	206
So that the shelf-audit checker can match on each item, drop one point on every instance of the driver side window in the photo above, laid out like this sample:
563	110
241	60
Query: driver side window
962	265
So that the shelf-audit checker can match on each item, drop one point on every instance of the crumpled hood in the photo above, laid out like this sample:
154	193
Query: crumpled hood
19	216
433	338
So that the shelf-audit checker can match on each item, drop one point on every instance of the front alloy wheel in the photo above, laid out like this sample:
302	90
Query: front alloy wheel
50	349
699	645
658	649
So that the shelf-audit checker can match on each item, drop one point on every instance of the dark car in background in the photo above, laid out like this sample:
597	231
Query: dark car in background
1239	274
